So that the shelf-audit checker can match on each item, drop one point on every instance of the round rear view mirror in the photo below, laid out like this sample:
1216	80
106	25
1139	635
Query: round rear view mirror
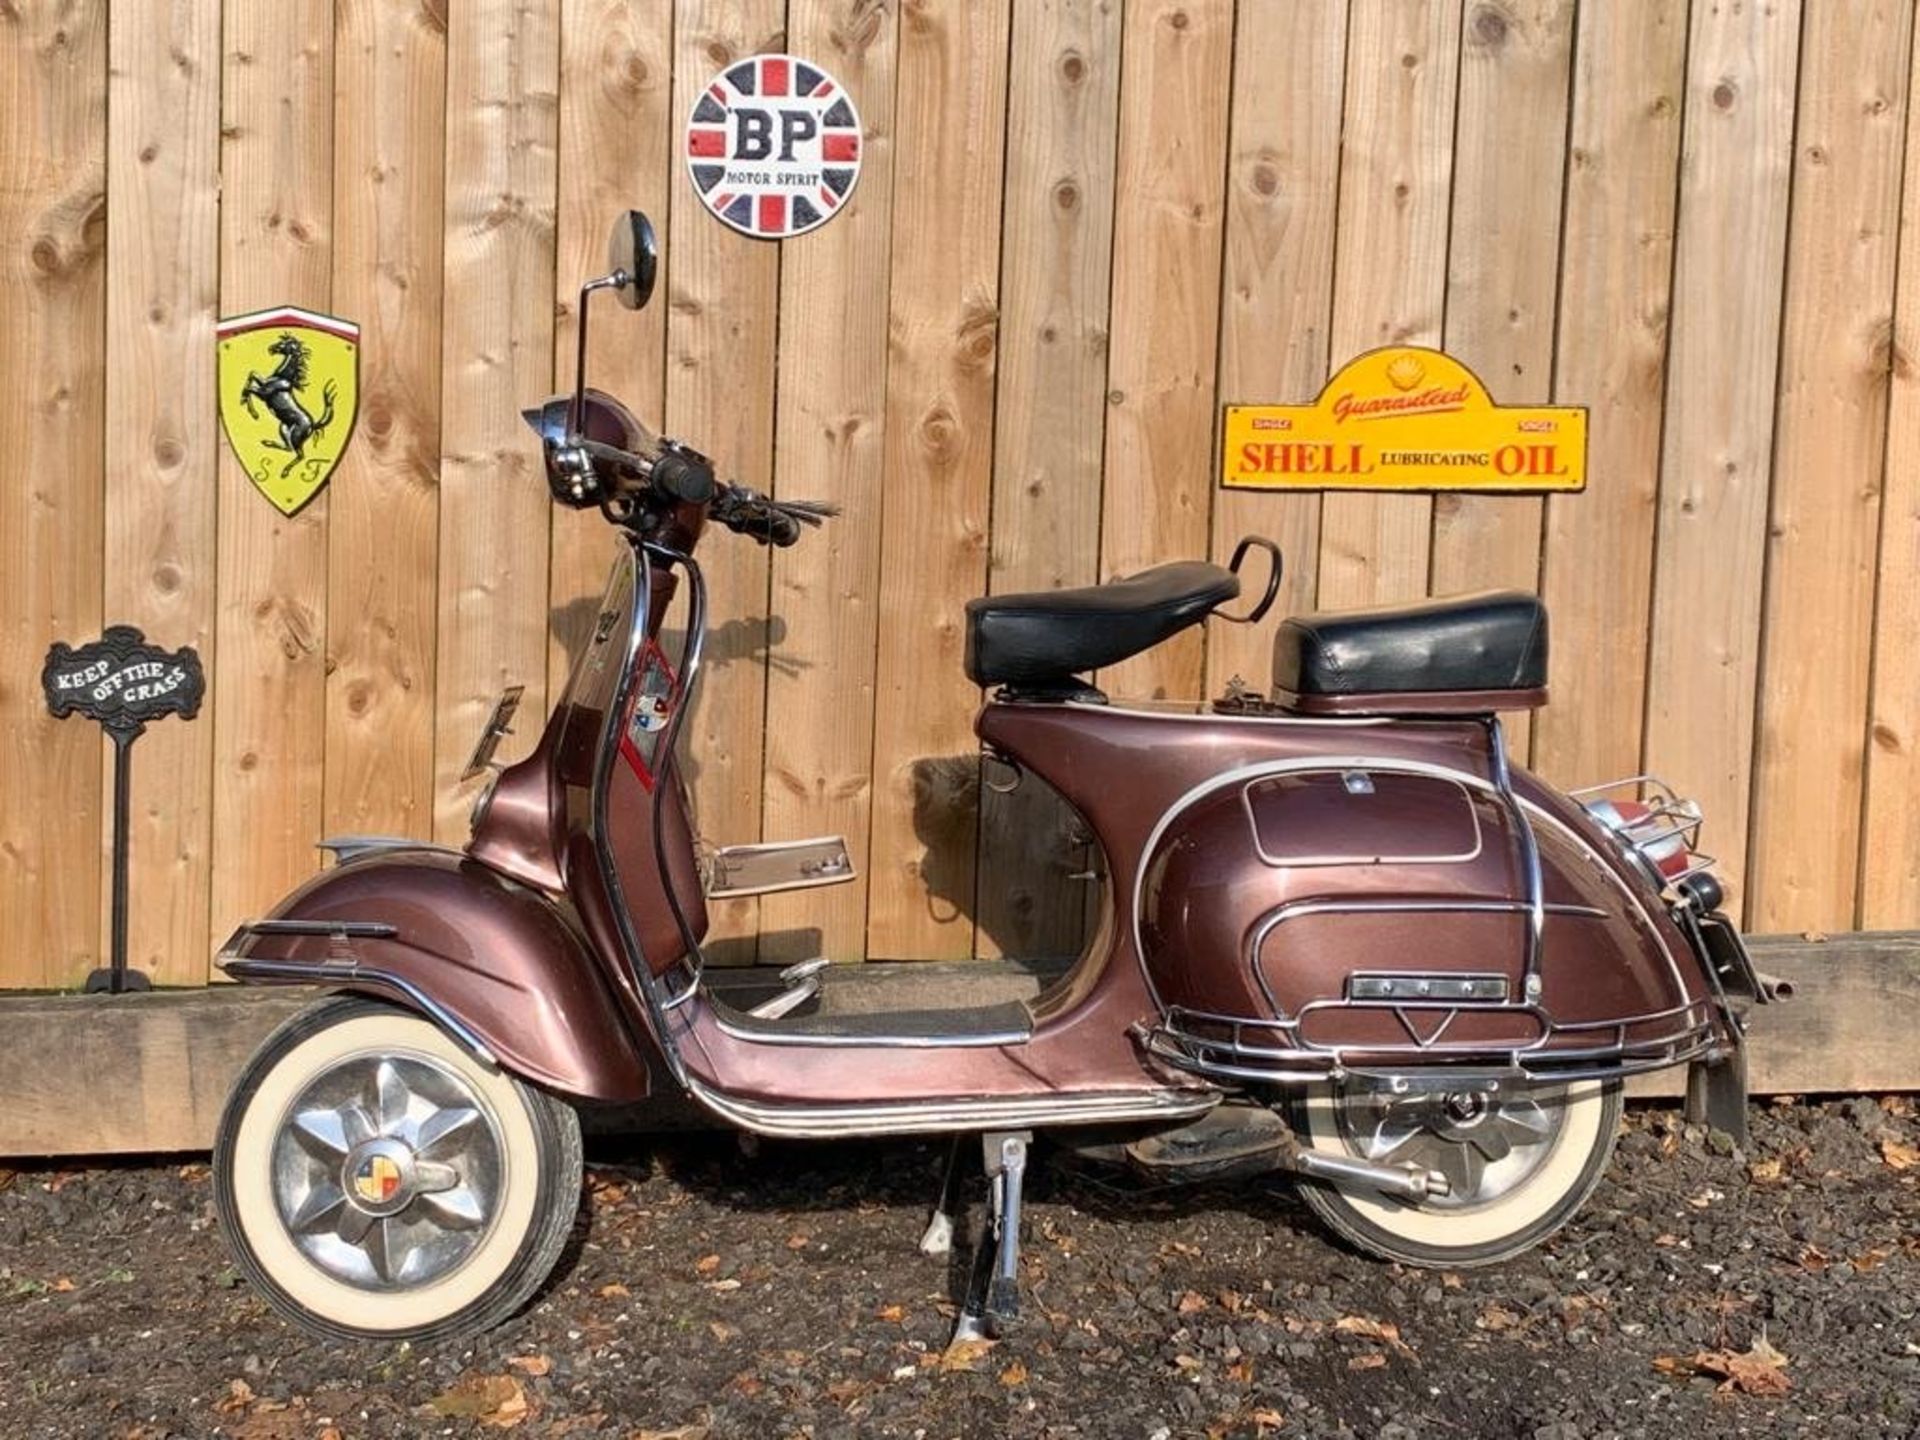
634	255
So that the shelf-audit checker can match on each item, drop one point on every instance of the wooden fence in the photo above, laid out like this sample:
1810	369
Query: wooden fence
1082	226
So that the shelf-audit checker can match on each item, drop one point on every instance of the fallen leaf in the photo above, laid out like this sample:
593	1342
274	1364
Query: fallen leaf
1764	1172
706	1265
1758	1370
1190	1302
615	1291
1231	1301
721	1331
497	1401
798	1242
1871	1260
1898	1156
722	1287
63	1285
1372	1360
962	1354
1497	1318
679	1432
891	1313
1241	1372
1813	1259
1268	1419
1369	1328
1186	1364
239	1397
534	1365
1014	1374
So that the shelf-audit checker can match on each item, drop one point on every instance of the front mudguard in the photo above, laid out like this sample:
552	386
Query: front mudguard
499	965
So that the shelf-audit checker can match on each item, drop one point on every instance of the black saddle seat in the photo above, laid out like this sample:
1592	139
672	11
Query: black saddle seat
1047	637
1491	640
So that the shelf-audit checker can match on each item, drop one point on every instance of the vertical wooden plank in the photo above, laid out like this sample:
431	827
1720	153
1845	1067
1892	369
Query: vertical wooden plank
496	357
1396	173
616	139
1616	270
1276	303
1503	266
946	247
1166	310
1836	323
1829	449
389	151
831	446
724	292
1063	90
1705	641
163	437
53	164
1890	829
269	687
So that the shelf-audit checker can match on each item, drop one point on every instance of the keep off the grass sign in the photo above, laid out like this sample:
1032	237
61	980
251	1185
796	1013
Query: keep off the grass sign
773	146
1405	418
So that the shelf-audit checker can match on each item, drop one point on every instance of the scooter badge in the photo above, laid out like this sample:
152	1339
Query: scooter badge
289	389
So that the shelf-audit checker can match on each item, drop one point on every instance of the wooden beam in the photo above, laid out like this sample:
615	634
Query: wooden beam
95	1075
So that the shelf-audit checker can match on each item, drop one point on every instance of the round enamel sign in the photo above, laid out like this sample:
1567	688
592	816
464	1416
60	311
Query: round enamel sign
773	146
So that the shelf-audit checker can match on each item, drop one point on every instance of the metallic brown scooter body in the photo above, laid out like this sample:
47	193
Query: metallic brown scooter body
1342	937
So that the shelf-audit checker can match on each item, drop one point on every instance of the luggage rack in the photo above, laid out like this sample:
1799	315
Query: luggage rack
1669	821
1242	1048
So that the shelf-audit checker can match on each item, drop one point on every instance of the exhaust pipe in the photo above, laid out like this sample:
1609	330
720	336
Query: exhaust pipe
1773	987
1403	1182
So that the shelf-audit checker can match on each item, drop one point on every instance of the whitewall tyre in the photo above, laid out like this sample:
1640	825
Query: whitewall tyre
1518	1165
376	1181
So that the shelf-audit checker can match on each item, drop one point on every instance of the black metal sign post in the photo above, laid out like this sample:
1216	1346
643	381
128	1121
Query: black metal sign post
122	682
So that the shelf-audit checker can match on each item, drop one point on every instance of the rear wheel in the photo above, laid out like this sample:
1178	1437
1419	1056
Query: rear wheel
375	1180
1518	1163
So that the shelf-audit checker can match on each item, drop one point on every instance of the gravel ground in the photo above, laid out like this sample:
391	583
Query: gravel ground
716	1294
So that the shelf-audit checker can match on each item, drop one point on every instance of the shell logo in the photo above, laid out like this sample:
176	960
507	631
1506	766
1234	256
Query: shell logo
1405	372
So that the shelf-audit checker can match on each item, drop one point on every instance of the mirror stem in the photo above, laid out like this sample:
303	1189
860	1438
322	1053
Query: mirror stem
574	411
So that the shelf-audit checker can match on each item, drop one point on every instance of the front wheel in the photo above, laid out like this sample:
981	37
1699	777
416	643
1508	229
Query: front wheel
376	1181
1518	1163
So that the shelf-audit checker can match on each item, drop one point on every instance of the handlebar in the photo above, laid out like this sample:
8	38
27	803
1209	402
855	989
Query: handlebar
684	476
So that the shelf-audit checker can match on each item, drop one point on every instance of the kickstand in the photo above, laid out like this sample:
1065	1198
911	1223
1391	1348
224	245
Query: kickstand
993	1292
1717	1094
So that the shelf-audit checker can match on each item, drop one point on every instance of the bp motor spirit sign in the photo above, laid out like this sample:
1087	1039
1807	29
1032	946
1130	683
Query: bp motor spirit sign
1405	418
773	146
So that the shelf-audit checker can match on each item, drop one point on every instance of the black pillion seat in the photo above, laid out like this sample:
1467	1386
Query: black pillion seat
1042	640
1456	653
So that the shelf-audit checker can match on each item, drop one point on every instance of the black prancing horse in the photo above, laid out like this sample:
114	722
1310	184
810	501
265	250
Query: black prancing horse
280	393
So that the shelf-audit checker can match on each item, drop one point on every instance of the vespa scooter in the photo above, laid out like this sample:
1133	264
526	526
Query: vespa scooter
1343	939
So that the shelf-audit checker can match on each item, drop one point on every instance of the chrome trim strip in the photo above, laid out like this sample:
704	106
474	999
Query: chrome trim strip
248	968
987	1040
605	757
1529	858
1359	762
935	1117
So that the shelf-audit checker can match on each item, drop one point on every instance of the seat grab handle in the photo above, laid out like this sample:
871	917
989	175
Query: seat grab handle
1259	611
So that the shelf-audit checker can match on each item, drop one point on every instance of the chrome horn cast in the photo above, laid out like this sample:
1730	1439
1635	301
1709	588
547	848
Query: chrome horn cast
387	1171
1485	1142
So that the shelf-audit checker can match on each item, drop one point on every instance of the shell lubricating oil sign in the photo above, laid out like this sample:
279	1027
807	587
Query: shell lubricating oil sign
1405	418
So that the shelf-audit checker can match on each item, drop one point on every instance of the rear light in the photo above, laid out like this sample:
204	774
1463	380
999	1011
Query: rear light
1653	826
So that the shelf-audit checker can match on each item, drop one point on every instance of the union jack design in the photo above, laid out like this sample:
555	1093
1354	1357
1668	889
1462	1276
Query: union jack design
773	146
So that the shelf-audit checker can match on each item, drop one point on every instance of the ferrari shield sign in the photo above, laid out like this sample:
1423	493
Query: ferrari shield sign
289	387
1405	418
773	146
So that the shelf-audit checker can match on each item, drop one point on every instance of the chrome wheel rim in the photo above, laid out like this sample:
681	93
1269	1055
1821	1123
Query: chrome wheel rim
1487	1143
388	1171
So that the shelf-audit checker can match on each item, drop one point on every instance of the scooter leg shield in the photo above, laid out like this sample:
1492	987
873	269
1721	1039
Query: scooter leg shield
499	965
